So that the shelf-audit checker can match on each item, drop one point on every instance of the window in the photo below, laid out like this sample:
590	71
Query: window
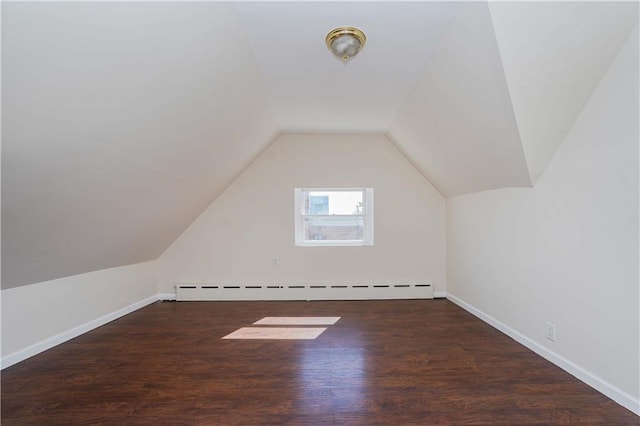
334	217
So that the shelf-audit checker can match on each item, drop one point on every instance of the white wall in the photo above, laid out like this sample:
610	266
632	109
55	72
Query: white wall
39	316
565	251
236	238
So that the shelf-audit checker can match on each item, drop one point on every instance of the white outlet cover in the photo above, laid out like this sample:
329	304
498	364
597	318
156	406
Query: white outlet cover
551	331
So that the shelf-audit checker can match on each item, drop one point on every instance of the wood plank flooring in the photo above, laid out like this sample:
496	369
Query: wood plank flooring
424	362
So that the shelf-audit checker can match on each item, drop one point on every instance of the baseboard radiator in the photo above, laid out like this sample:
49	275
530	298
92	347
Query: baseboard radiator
195	292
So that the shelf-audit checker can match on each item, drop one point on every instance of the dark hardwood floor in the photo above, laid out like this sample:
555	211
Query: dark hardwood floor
424	362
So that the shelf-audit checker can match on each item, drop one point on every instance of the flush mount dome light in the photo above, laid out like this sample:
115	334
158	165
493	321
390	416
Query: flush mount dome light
345	42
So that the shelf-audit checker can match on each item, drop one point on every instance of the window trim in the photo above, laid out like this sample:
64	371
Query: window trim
367	216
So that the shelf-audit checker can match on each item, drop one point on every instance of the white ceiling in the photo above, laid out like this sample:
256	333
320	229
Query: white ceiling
554	54
313	92
122	121
457	125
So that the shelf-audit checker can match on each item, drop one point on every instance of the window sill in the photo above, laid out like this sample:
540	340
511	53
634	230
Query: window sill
332	243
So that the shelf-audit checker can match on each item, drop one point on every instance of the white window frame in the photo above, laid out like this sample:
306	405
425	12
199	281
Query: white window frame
367	215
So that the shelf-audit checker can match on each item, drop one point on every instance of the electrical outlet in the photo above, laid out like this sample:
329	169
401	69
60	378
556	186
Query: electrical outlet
275	261
551	331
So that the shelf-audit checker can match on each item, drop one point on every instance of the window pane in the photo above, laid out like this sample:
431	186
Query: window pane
318	204
333	202
333	228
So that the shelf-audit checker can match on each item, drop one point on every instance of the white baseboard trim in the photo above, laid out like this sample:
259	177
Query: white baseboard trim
439	294
599	384
28	352
166	296
257	291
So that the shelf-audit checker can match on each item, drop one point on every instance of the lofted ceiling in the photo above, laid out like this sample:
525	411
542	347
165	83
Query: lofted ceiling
122	121
313	92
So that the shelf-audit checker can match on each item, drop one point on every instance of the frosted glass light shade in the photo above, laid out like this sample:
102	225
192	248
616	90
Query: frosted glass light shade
345	42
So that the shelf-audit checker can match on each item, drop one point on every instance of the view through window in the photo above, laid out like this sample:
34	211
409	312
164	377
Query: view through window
334	216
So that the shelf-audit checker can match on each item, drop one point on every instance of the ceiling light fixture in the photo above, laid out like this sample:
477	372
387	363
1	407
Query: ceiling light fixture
345	42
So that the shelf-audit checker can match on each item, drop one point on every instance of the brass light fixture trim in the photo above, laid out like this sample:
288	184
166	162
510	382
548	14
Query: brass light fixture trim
345	42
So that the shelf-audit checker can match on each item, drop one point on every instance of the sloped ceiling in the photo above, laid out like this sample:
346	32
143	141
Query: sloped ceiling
122	121
554	54
313	92
457	124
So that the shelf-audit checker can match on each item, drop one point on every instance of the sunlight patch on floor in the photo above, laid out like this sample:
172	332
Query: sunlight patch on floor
287	333
297	321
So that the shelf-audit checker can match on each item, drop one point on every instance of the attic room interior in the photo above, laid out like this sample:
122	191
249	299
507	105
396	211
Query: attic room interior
441	228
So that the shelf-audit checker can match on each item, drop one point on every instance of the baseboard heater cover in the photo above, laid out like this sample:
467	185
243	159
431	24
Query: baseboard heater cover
204	292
